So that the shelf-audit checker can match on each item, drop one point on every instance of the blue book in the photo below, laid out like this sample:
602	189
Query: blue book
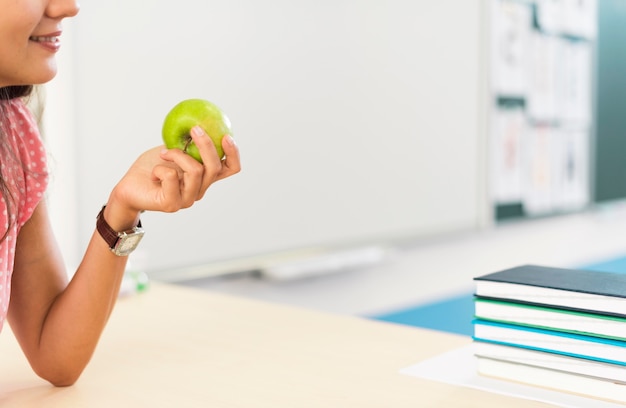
575	289
551	341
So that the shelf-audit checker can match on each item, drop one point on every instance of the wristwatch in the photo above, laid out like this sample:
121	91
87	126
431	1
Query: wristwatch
121	243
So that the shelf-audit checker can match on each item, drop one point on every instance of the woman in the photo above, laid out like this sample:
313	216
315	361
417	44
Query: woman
57	322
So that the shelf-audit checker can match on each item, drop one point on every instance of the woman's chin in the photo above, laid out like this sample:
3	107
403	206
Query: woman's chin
45	74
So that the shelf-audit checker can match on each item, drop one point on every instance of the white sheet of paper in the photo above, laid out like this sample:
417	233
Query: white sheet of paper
539	157
550	15
542	77
579	18
458	367
507	172
574	96
571	188
511	24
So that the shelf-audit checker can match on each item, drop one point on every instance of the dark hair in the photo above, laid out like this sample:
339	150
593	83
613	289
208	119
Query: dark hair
7	93
12	92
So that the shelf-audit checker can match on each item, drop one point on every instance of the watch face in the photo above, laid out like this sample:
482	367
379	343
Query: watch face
127	243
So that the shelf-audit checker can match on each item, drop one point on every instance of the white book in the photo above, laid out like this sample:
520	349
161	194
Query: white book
553	379
552	361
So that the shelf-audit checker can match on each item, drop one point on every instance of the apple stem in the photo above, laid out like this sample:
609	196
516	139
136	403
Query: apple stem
189	140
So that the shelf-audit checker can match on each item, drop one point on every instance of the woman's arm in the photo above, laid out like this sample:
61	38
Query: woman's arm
58	324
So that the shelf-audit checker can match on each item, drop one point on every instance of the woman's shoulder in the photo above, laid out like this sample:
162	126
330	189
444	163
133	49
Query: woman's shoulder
18	114
24	132
30	172
19	123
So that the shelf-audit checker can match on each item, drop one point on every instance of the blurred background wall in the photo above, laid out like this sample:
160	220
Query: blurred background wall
362	124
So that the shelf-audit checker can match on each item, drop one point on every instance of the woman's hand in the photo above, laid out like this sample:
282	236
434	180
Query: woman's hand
58	325
170	180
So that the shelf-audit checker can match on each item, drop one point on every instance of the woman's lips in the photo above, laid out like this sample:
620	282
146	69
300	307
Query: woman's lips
51	42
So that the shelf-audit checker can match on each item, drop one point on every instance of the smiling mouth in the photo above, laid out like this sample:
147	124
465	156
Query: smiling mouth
45	39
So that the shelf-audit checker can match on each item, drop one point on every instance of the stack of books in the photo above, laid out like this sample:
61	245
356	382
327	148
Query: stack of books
563	329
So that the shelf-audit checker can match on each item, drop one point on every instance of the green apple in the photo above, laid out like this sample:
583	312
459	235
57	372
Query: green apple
189	113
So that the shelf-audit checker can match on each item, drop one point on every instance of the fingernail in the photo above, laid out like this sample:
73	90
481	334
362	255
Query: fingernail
229	139
197	131
164	151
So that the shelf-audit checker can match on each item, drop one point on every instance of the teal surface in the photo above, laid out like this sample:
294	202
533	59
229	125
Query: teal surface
449	315
455	314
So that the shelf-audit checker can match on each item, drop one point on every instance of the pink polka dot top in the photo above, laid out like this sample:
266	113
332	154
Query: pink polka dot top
26	176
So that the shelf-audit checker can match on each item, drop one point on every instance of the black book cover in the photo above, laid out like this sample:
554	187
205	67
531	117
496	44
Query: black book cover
573	280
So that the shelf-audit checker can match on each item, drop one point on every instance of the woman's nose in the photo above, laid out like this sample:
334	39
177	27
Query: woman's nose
62	8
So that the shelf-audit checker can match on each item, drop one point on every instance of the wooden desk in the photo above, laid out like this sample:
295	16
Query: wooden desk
180	347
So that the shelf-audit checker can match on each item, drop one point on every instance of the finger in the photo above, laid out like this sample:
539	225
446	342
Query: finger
191	174
169	197
232	163
211	161
172	158
205	146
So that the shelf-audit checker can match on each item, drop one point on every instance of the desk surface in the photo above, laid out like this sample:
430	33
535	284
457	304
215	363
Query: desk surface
183	347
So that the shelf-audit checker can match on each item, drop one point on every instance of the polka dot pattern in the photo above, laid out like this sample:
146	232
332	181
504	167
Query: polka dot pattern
26	175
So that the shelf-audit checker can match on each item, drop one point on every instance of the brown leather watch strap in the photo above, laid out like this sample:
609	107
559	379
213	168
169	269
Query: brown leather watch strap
107	233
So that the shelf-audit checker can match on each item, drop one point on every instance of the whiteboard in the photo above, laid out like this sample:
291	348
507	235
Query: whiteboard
357	120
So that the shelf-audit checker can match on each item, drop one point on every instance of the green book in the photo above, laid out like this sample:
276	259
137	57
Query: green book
543	317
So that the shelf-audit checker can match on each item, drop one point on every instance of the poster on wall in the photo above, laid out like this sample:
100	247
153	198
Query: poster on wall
542	58
509	125
511	27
